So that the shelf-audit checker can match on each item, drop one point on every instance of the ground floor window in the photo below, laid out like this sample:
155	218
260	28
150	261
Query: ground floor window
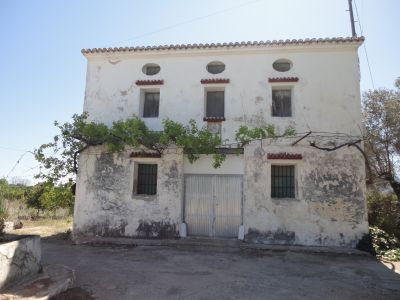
282	182
147	179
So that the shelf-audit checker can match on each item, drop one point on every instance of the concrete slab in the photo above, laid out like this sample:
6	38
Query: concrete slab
232	244
53	280
218	272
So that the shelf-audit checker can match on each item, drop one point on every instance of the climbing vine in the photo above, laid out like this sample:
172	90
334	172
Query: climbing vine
59	157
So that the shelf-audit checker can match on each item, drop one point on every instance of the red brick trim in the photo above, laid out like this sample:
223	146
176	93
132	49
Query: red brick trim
283	79
214	119
284	155
149	82
215	80
145	154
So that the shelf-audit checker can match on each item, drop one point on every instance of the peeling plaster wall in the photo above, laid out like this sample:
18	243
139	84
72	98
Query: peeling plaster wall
106	205
329	208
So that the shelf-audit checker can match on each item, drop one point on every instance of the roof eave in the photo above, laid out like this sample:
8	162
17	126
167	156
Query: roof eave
357	41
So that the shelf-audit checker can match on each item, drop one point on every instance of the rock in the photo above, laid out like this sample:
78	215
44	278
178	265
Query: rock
17	224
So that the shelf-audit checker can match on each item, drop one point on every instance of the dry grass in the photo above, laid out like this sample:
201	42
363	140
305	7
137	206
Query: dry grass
45	227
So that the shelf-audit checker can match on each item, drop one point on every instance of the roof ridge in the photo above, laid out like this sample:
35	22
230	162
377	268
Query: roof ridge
222	45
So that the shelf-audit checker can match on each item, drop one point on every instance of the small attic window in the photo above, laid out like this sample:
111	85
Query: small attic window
215	67
282	65
151	69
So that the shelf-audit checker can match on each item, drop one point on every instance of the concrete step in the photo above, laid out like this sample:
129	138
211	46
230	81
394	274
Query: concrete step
226	244
53	280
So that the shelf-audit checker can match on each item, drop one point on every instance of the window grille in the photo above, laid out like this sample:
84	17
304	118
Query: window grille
151	105
282	182
147	179
282	103
215	106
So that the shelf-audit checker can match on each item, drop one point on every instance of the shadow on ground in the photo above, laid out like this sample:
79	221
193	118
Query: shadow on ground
75	293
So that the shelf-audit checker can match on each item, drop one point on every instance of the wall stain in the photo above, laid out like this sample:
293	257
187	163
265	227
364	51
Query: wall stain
156	230
278	237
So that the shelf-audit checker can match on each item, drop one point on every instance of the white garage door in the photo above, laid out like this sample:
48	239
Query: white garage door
213	205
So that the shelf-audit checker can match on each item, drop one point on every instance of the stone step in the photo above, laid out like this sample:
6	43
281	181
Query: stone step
54	280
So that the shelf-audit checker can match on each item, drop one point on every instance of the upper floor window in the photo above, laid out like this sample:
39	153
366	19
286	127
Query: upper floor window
215	106
151	69
282	65
282	102
215	67
151	104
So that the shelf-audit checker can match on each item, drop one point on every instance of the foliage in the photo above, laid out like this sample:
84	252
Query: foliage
59	158
385	245
383	239
384	212
245	134
47	196
381	113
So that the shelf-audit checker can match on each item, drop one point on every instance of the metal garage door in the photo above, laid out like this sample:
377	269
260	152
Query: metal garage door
213	205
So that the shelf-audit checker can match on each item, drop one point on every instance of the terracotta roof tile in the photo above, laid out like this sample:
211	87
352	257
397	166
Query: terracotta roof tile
149	82
215	80
335	40
284	155
145	154
283	79
213	119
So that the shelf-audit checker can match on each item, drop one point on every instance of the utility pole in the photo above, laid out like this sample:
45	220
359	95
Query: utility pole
353	28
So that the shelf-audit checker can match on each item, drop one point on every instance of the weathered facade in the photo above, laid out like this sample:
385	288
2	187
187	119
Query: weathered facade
274	191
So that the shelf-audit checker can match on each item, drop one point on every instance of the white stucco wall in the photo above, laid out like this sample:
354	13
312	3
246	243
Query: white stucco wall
329	208
233	164
326	97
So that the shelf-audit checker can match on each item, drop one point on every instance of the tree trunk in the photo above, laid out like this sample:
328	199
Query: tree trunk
396	189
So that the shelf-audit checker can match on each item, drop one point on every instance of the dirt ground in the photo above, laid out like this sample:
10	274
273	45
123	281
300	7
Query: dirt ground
189	272
155	272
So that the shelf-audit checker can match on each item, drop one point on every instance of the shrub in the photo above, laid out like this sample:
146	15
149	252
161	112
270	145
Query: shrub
381	244
384	212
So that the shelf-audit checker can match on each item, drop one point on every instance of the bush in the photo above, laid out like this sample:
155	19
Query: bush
381	244
383	239
384	212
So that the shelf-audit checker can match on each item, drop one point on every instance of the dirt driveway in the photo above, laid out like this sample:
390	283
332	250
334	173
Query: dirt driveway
155	272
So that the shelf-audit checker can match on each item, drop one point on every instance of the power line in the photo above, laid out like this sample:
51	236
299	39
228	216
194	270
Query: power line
365	46
18	161
188	21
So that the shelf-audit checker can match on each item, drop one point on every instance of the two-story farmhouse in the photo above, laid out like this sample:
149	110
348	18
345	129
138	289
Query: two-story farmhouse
276	191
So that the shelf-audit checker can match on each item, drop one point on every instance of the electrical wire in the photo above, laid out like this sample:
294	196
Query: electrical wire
187	21
18	161
364	46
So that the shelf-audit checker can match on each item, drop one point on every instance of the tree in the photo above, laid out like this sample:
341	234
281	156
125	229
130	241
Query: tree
381	113
33	197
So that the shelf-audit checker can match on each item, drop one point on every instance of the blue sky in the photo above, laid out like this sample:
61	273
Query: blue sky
43	71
